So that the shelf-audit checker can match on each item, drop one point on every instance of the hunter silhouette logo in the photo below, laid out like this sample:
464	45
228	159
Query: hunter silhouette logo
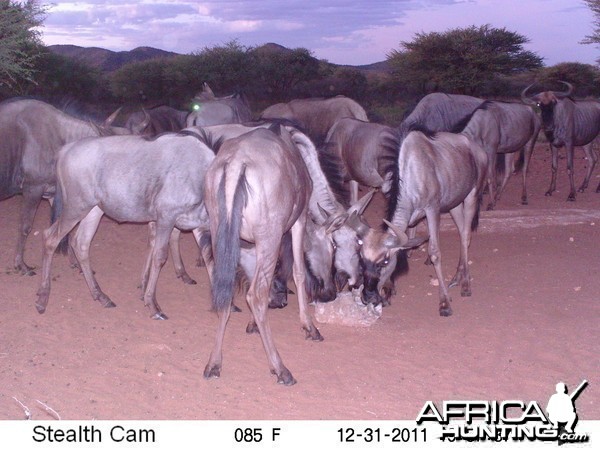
562	413
510	420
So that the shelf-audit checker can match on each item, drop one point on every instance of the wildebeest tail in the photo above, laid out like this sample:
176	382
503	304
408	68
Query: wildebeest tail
227	243
57	207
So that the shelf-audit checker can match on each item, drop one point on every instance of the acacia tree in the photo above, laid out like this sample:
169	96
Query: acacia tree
20	43
594	38
461	60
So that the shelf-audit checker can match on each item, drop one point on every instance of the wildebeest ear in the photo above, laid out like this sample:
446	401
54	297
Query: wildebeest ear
362	203
357	225
334	223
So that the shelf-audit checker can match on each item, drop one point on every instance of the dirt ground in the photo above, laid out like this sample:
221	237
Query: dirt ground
532	321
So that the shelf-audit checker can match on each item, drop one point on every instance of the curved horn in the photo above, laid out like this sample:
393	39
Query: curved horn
110	119
401	235
524	98
362	203
141	127
565	94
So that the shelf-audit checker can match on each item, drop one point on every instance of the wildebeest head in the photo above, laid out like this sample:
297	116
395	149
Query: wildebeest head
378	251
547	102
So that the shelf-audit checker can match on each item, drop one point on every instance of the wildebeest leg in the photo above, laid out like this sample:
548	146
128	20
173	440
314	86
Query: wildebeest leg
299	273
267	251
570	151
509	164
81	245
52	237
32	195
175	253
491	178
433	223
463	216
215	362
552	187
592	157
177	260
526	158
160	252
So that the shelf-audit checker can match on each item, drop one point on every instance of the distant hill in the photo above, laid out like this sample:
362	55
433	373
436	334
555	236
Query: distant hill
109	61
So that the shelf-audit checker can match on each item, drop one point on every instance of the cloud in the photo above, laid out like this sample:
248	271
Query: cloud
343	31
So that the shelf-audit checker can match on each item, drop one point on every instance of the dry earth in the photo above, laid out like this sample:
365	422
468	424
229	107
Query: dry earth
532	321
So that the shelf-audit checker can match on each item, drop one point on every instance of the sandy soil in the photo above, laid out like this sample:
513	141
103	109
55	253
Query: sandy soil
532	321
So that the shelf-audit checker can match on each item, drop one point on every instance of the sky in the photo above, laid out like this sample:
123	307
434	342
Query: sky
342	32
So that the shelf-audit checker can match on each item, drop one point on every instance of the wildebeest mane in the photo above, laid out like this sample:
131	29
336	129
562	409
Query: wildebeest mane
332	168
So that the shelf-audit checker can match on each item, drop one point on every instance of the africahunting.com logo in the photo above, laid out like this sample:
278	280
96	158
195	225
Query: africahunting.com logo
511	420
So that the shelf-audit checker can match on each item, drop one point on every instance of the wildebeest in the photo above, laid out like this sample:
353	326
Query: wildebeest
327	201
157	120
257	190
366	150
569	123
32	132
130	179
316	115
211	110
441	112
436	173
501	128
504	128
237	102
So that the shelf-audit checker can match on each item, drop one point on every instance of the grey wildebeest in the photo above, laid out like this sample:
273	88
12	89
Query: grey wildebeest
130	179
504	128
568	123
436	173
32	133
366	150
209	109
316	115
157	120
327	203
257	189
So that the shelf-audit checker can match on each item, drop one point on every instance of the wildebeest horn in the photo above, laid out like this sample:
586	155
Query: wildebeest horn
524	97
401	235
110	119
360	206
565	94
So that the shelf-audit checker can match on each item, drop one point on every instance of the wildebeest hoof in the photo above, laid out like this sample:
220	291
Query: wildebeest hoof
466	293
445	309
187	279
212	371
109	304
490	207
159	316
285	378
548	194
40	308
571	198
524	201
313	334
252	328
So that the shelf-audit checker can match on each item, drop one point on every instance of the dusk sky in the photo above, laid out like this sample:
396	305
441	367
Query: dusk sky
342	32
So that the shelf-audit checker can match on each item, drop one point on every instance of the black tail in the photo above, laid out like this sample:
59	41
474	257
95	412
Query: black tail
57	207
227	249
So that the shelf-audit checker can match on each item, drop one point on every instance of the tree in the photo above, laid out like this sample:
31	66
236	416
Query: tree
583	76
20	43
594	38
461	60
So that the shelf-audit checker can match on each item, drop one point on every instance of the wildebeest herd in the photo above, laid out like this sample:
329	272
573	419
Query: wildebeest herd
266	200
